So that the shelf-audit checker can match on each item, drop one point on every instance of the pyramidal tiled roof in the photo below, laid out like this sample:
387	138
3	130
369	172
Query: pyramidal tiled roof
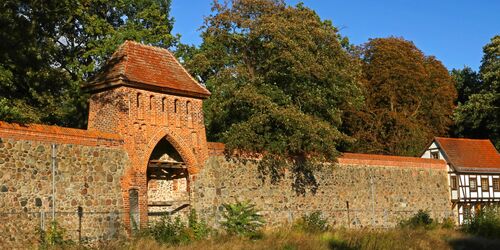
470	155
143	66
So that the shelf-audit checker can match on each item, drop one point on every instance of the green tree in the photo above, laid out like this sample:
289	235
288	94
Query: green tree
280	79
467	83
50	48
409	99
479	116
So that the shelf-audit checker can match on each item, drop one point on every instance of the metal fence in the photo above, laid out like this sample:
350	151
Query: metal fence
23	229
347	218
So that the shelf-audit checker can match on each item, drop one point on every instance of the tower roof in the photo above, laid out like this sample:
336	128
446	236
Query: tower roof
147	67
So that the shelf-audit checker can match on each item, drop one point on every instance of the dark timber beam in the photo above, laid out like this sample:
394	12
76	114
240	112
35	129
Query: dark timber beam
167	164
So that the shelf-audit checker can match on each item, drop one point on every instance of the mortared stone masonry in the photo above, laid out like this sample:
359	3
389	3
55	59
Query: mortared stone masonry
144	104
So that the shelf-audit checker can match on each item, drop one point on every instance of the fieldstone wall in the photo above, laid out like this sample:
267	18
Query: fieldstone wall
86	175
378	195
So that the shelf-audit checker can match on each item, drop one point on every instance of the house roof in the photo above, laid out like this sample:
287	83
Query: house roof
142	66
470	155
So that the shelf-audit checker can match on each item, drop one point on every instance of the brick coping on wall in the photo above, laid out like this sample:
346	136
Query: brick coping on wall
48	133
390	160
217	149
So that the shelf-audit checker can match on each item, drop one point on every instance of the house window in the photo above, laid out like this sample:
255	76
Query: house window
435	155
496	185
453	183
466	212
485	184
473	184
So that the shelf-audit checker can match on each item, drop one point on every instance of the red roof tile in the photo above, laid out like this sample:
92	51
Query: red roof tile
470	155
146	66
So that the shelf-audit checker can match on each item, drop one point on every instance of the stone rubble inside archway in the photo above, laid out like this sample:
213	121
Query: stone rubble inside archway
168	185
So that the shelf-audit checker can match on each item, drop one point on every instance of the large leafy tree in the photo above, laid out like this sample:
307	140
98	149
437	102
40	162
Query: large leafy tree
280	80
479	115
467	83
49	48
409	99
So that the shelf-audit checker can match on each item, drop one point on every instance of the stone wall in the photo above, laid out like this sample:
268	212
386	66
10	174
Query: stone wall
88	171
91	172
380	190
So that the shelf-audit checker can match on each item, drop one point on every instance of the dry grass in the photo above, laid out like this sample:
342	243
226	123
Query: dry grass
282	239
288	239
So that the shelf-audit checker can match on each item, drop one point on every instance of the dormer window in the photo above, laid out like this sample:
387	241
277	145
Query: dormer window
435	155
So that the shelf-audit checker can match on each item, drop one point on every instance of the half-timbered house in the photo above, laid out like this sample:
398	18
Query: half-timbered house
474	172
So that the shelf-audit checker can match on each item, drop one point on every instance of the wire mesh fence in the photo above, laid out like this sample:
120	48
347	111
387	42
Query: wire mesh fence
19	230
347	218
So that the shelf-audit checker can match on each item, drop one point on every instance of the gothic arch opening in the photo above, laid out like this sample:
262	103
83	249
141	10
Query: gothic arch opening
168	182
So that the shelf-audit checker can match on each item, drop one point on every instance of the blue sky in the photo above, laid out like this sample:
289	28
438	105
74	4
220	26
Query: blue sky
453	31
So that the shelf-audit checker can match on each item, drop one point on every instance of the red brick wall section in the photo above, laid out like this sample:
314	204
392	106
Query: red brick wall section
143	117
217	149
46	133
392	161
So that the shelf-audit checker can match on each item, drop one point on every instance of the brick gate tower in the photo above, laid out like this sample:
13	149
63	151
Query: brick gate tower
146	96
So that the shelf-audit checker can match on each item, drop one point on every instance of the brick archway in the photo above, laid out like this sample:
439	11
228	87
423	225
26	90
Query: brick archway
182	147
147	97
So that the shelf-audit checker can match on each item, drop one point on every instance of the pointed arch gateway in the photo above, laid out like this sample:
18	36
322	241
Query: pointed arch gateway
149	89
168	175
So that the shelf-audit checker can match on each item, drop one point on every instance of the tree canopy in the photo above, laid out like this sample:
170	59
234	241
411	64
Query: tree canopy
280	79
409	99
479	115
49	48
284	82
467	83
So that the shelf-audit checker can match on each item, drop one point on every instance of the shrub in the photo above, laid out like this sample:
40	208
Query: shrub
169	231
448	223
242	219
312	223
173	231
53	237
198	228
421	219
485	223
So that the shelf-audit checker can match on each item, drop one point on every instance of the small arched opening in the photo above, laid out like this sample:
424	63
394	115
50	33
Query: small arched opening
177	113
168	182
189	114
